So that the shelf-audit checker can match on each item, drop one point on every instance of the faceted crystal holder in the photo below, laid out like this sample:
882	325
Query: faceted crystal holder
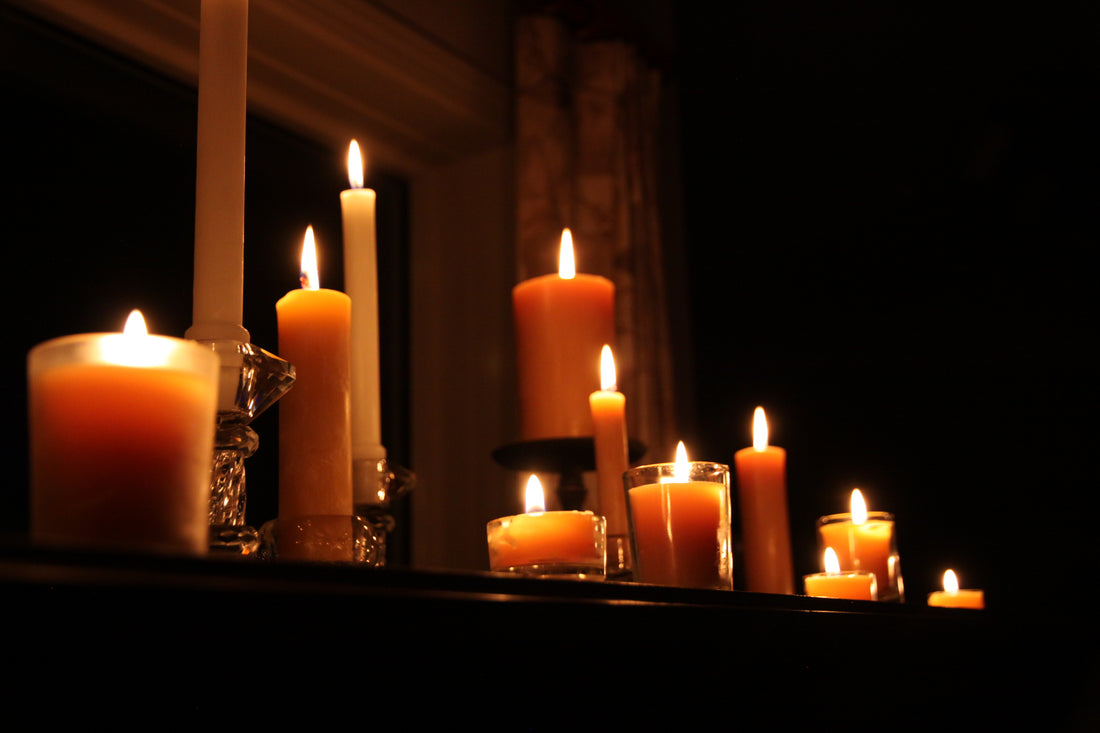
323	538
252	380
377	485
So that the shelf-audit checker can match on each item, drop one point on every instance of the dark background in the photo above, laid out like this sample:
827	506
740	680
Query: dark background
890	222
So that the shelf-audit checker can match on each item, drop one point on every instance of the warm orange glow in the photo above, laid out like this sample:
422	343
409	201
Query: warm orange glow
134	347
536	502
832	564
759	430
567	268
310	278
135	324
859	507
607	370
950	582
355	165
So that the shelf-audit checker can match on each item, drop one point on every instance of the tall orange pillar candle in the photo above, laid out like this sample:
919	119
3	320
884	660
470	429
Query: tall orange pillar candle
562	322
681	524
121	436
608	407
315	416
952	597
762	501
865	541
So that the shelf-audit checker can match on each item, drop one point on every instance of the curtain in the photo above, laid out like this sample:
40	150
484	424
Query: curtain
587	113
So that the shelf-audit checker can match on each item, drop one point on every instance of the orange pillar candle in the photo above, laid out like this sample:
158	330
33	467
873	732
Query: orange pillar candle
315	416
562	322
547	543
680	523
952	597
608	407
865	541
122	440
762	501
853	584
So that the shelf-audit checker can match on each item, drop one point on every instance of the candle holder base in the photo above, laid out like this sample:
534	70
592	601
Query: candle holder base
567	457
252	380
563	570
327	538
620	563
377	485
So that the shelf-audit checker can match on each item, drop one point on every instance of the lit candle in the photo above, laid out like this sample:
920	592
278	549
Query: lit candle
219	172
357	205
121	440
608	407
765	528
315	416
952	597
547	543
680	521
562	322
853	584
865	541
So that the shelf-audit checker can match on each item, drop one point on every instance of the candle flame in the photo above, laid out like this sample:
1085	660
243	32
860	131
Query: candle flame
607	370
831	562
681	470
859	507
135	324
310	279
536	502
567	268
950	582
355	165
759	430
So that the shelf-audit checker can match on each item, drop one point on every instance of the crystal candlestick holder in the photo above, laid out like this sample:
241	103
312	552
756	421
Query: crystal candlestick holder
377	485
252	380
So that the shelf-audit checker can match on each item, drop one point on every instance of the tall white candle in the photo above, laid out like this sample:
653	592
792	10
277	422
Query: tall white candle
219	183
357	205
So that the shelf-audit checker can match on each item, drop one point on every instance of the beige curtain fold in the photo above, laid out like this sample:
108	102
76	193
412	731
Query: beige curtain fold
587	116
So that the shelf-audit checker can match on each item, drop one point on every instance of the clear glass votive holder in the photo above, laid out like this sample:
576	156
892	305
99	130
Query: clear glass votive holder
121	430
853	585
869	546
565	544
681	524
329	538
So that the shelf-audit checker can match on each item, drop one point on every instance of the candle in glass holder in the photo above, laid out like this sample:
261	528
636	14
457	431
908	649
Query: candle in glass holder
952	597
562	322
538	542
680	522
762	501
852	584
866	541
122	440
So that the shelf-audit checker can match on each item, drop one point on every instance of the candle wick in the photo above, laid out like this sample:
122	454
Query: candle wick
304	280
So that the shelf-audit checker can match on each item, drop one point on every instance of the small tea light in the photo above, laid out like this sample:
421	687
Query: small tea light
853	585
538	542
952	597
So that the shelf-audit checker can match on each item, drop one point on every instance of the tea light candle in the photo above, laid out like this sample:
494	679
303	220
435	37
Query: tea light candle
952	597
765	528
122	440
681	523
562	322
314	327
547	543
833	583
865	541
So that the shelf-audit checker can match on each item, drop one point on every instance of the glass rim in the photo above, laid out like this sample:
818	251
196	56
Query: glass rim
847	516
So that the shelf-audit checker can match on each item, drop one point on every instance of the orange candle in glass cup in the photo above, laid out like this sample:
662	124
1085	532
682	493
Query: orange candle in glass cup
562	322
866	541
833	583
953	597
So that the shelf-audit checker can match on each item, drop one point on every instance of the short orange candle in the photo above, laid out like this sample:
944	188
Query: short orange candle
952	597
315	416
122	440
865	541
852	584
562	322
762	501
547	543
680	525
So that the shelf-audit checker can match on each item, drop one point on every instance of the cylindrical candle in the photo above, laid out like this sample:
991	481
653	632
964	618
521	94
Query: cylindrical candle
562	322
547	543
608	407
833	583
762	504
953	597
357	205
865	540
219	172
680	523
122	441
314	327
